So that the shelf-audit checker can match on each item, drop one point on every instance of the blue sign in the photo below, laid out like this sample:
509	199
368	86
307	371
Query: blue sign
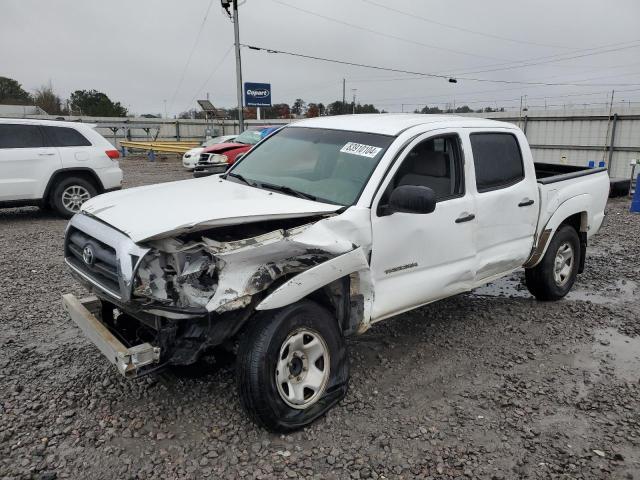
257	94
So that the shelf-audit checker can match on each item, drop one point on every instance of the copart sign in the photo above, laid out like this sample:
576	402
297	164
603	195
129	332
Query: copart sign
257	94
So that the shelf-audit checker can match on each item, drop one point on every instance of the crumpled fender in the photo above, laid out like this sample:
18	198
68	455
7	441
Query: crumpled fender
577	204
316	277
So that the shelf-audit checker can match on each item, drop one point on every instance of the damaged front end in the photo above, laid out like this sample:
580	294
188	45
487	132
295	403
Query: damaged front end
185	294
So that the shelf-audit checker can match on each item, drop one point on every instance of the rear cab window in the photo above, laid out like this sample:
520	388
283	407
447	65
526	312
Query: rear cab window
66	137
497	160
20	136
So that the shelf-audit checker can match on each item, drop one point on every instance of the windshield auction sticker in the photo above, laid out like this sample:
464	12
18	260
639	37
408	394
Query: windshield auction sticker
360	149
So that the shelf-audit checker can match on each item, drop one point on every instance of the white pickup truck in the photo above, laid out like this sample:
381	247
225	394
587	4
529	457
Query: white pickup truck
324	228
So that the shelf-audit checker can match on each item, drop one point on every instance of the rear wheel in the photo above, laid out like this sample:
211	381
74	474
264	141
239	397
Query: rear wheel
556	273
69	195
292	366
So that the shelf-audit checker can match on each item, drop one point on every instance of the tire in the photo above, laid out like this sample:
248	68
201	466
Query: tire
69	194
278	346
556	273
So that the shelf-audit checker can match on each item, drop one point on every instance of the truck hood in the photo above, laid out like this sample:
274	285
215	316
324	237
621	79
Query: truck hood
169	209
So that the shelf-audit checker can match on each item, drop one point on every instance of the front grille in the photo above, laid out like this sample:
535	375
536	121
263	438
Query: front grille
204	159
207	159
102	256
103	264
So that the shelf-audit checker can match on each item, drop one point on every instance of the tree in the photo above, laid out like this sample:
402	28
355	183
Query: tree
366	108
277	110
322	110
47	100
464	109
298	107
338	108
428	109
283	110
312	110
95	104
12	93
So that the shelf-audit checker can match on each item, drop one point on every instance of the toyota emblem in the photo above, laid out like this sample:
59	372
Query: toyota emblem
87	255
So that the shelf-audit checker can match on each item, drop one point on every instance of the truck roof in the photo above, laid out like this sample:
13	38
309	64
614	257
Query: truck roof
394	124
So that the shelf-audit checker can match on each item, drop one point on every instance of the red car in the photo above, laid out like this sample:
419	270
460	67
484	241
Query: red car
217	158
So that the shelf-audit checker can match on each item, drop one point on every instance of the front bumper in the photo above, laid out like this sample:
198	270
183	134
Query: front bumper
130	362
206	170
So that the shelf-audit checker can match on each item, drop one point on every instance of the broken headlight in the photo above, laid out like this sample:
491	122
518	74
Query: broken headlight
185	278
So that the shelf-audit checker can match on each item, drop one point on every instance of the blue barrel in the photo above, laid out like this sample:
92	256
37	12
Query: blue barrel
635	202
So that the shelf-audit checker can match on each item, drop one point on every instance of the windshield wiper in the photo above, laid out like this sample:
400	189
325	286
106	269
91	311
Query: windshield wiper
289	191
242	179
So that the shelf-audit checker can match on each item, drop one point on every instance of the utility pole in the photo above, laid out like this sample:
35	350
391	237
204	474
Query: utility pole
520	115
606	138
236	33
344	99
354	90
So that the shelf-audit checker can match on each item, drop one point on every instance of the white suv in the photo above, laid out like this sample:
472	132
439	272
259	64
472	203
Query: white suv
54	164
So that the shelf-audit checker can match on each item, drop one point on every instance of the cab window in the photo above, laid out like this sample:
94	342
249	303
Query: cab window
435	163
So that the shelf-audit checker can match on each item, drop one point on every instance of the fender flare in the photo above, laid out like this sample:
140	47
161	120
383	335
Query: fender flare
67	172
578	204
309	281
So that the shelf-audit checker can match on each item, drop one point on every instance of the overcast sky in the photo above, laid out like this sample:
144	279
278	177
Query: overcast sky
136	50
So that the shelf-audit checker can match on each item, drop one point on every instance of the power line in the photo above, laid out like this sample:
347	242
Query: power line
382	34
461	29
552	60
511	64
193	48
402	101
431	75
545	57
213	72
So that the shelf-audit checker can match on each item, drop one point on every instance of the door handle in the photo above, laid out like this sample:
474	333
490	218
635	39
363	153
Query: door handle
465	218
525	203
46	154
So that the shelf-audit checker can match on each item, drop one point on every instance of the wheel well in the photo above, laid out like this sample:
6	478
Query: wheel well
336	297
579	221
86	174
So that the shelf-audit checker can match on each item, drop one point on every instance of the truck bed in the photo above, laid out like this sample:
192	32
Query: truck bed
551	173
576	188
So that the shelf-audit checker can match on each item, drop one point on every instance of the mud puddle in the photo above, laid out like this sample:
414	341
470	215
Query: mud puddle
620	351
512	286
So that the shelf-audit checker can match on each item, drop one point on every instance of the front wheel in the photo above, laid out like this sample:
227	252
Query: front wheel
292	366
556	273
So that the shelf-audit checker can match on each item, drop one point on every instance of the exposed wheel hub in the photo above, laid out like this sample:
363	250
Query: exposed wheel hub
563	264
302	370
297	364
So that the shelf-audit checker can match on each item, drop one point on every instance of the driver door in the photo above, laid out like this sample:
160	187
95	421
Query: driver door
419	258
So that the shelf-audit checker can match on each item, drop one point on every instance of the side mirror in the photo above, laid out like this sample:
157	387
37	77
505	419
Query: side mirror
412	199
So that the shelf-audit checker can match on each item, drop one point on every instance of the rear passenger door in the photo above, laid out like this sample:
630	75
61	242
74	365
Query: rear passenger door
74	148
506	201
419	258
26	162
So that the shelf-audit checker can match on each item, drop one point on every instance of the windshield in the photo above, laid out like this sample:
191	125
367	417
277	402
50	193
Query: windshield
329	165
250	137
213	141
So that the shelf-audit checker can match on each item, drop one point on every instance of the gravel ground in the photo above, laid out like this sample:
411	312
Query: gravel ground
490	384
